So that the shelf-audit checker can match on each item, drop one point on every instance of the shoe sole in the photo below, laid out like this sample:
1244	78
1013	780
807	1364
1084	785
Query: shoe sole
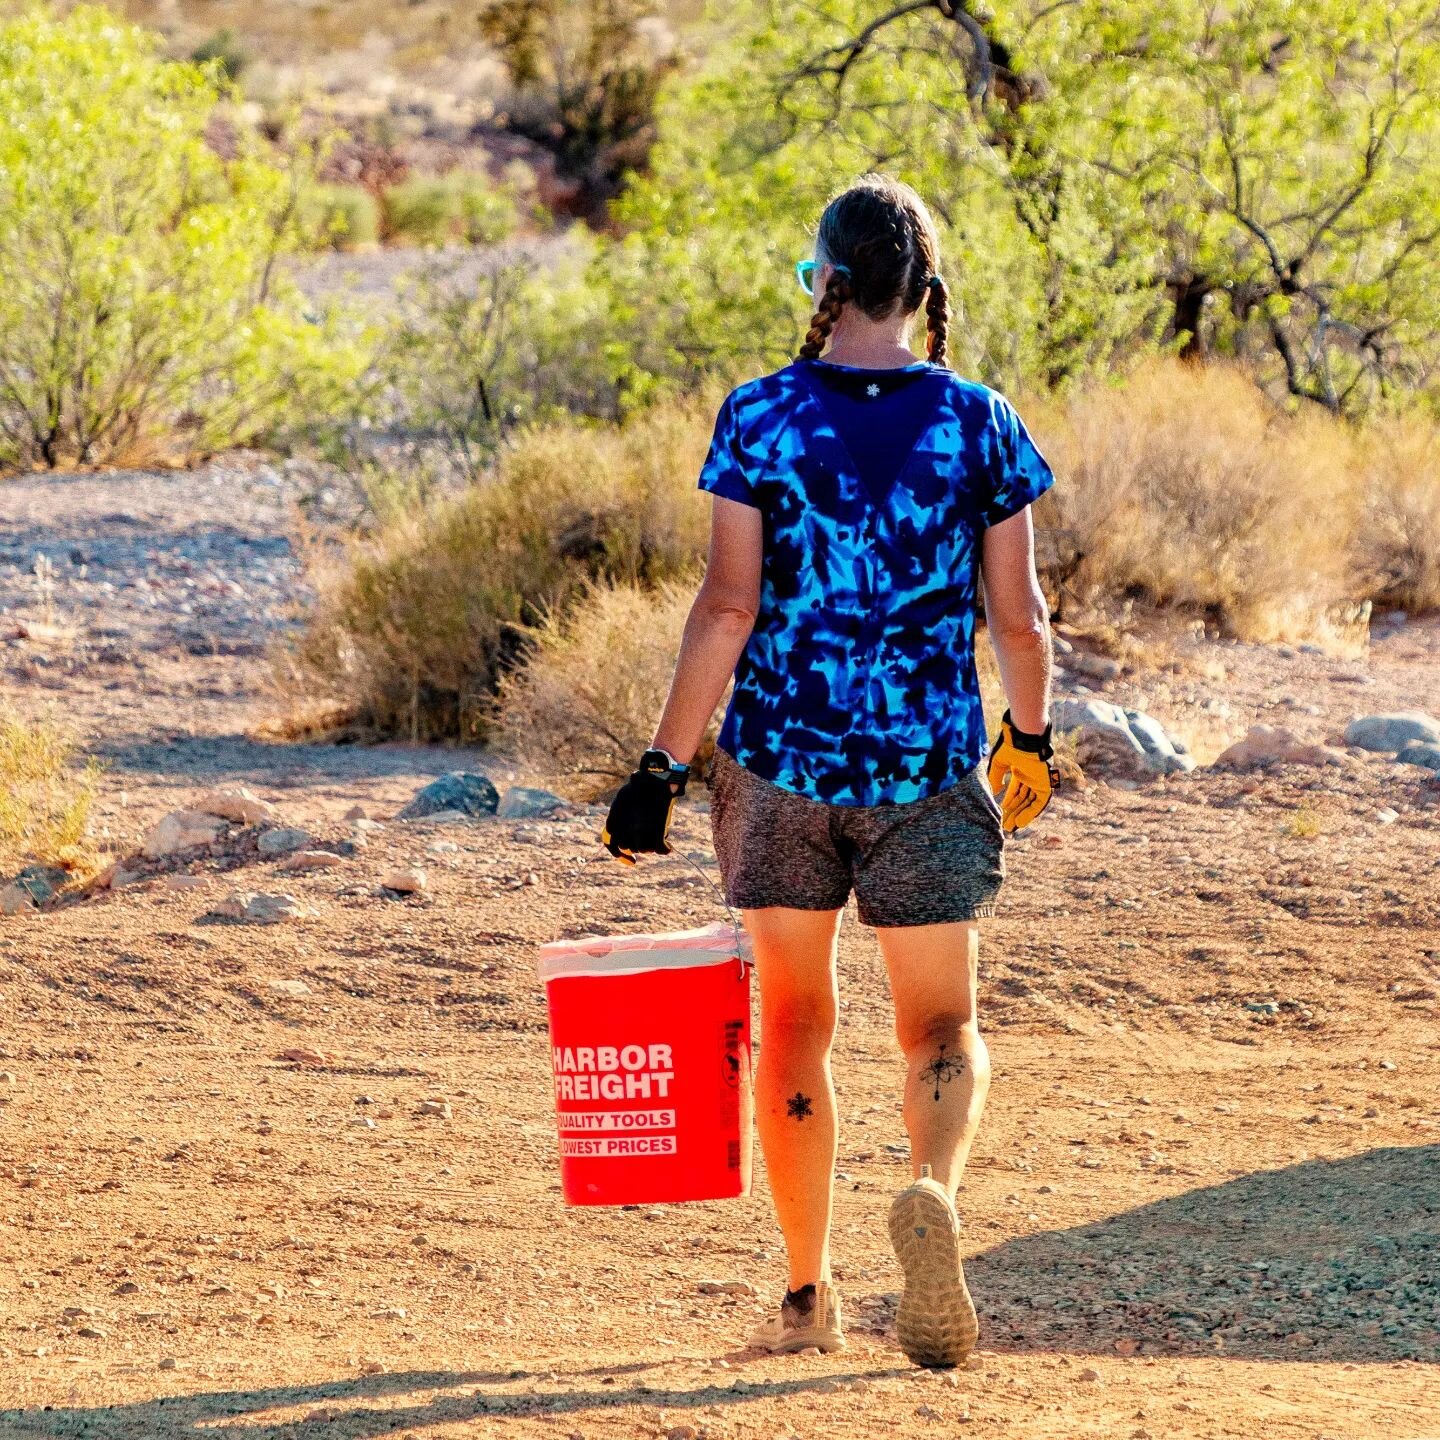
826	1341
936	1322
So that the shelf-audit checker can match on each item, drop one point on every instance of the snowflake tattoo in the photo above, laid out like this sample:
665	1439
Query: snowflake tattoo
872	390
798	1106
943	1069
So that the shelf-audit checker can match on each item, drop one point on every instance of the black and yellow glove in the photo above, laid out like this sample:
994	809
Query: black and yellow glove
639	818
1025	760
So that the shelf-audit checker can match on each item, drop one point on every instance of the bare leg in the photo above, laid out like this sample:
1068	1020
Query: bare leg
933	981
794	1092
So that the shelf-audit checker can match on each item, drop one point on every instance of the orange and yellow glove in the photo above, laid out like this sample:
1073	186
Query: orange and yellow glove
1025	761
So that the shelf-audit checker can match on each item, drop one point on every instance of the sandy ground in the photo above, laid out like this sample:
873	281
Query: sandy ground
1185	1218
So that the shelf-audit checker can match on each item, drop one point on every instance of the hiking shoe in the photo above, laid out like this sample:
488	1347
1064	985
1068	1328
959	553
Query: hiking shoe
808	1316
936	1321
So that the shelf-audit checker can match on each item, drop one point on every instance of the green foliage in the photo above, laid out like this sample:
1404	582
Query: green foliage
225	48
477	352
47	791
431	210
144	304
586	80
343	216
1108	178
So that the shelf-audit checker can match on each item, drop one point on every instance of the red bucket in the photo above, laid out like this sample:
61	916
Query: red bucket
650	1045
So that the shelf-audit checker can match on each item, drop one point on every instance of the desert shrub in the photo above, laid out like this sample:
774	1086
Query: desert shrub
1398	544
423	211
47	791
585	702
487	212
1187	486
343	216
226	49
414	623
477	352
143	307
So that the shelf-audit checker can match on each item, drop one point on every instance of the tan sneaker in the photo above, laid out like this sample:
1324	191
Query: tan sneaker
936	1321
808	1317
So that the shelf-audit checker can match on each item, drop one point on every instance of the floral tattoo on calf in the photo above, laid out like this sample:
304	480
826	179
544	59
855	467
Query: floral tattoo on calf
798	1106
943	1069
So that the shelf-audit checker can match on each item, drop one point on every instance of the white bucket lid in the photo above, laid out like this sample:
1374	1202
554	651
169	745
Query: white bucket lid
634	954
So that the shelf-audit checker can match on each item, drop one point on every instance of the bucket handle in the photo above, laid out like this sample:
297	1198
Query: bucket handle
699	869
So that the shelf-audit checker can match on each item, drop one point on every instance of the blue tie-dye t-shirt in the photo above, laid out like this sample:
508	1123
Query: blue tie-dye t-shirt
858	683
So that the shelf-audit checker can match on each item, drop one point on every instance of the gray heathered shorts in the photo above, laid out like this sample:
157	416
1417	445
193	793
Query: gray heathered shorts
930	862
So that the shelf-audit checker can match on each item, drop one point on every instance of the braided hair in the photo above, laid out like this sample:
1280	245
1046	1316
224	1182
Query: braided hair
883	247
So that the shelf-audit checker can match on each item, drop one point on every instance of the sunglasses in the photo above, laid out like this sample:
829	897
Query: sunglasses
805	274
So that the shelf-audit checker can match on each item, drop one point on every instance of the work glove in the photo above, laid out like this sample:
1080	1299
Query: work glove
1025	760
639	818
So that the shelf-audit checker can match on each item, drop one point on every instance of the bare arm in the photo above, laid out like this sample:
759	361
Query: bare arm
719	625
1018	619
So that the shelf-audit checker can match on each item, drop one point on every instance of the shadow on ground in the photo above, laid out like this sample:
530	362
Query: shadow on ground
340	1415
1325	1260
1349	1250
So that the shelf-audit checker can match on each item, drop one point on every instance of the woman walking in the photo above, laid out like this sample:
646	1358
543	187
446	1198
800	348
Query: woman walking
862	500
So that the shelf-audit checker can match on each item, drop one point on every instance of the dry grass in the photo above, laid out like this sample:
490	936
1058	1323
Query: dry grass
585	703
47	791
1188	487
1398	545
415	623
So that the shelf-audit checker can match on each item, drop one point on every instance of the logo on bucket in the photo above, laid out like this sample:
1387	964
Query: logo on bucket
612	1072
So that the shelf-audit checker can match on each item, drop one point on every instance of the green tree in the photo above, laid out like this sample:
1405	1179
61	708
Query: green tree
145	304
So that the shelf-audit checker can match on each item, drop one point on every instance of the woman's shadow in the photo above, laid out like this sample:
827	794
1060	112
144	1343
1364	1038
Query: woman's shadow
1325	1260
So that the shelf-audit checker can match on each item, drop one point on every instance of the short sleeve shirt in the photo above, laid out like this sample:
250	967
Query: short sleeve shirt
858	684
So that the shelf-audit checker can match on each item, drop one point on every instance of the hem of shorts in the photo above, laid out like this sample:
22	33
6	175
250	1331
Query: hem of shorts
786	904
955	915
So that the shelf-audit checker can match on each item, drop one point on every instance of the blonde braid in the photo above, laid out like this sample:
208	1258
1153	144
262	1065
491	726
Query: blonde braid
837	295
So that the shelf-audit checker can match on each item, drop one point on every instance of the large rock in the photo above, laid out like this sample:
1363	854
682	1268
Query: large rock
1426	755
181	830
461	791
1392	733
521	802
1111	740
235	803
282	841
32	889
1274	745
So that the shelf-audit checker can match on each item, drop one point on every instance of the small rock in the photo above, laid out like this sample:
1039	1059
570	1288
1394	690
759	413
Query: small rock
1100	668
435	1107
1392	732
32	888
682	1432
295	988
181	830
441	847
355	812
1387	816
298	1055
927	1412
127	1287
235	803
390	1312
311	860
1263	1007
405	881
1274	745
727	1287
183	882
168	1363
1126	1345
1425	755
521	802
470	794
282	841
1089	1373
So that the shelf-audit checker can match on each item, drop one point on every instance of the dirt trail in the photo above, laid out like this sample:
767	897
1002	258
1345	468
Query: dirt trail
1185	1217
